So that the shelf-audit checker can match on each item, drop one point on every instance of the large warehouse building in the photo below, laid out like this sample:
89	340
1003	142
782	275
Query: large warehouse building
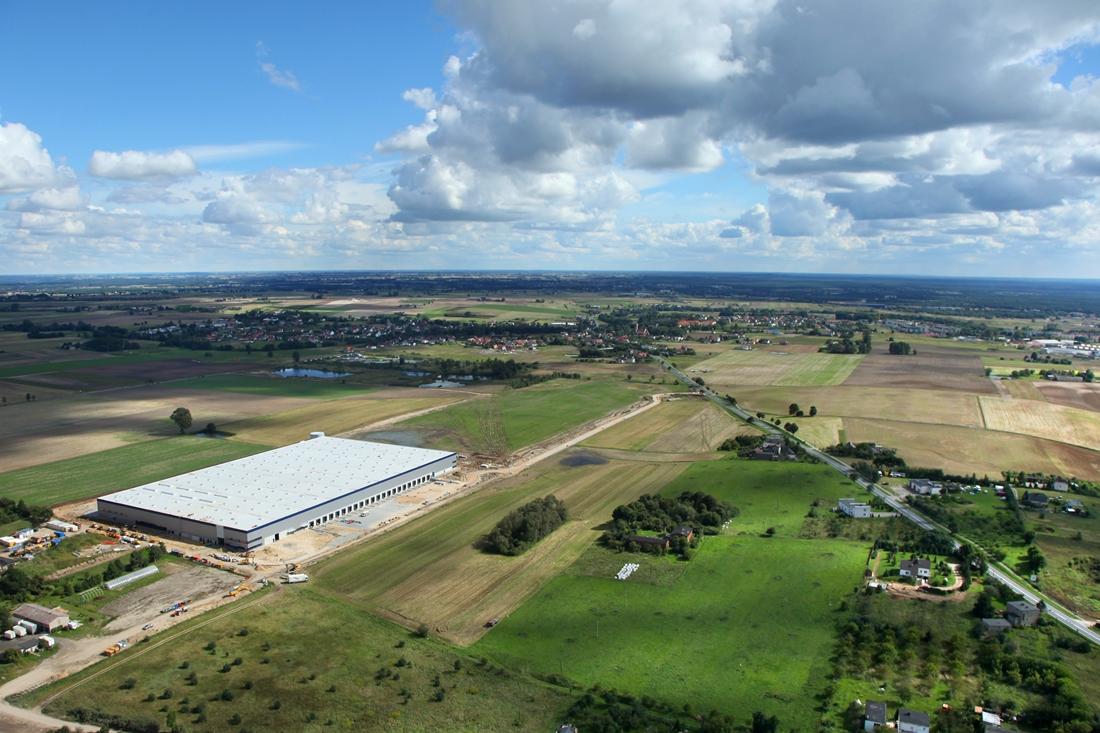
252	501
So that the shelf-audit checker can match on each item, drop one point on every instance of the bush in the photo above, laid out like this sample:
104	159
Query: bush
226	695
422	631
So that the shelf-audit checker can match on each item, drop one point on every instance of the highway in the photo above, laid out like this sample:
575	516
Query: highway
997	571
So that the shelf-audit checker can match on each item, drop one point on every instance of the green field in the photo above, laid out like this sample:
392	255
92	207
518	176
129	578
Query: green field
776	367
521	417
746	625
308	663
119	468
274	386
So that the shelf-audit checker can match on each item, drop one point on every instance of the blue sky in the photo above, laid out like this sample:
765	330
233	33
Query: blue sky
582	134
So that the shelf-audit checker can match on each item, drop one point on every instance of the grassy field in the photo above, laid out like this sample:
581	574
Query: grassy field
274	386
429	570
335	416
723	635
776	367
1043	420
687	425
1071	545
520	417
720	631
308	663
118	468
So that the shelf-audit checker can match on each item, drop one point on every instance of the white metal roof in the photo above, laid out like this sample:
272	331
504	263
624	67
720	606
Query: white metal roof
257	490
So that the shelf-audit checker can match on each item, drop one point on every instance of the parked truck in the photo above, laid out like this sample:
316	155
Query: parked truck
296	577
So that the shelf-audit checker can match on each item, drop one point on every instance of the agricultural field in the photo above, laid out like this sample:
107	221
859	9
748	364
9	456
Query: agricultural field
337	416
119	468
676	631
516	418
932	367
787	366
1071	394
270	386
937	407
685	425
350	672
41	432
962	451
429	570
1043	420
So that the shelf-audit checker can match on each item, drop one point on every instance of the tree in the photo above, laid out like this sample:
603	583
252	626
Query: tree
181	416
296	356
422	631
813	410
1034	560
210	429
792	408
791	427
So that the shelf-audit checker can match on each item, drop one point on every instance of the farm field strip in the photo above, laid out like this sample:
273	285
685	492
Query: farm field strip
516	418
1043	420
776	367
684	425
937	407
430	571
119	468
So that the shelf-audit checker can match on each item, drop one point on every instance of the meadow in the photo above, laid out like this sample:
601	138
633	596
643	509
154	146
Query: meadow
257	670
430	570
720	631
516	418
119	468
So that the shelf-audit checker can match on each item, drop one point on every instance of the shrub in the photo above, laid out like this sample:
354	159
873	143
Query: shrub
422	631
128	684
226	695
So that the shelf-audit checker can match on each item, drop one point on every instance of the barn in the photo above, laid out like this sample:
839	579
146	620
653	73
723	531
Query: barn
256	500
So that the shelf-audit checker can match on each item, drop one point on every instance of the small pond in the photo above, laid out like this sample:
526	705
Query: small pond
315	373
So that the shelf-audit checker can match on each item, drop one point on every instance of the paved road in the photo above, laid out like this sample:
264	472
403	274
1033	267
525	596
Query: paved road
996	571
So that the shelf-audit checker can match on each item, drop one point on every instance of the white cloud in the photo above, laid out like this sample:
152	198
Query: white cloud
50	199
283	78
24	163
138	165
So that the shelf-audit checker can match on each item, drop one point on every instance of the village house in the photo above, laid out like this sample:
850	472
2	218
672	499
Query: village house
920	567
1022	613
925	487
774	448
911	721
1035	500
1060	485
853	508
875	716
651	544
995	626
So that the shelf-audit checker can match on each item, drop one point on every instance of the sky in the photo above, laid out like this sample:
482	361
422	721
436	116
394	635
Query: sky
849	136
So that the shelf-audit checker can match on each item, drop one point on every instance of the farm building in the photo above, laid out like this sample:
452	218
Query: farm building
256	500
46	619
853	508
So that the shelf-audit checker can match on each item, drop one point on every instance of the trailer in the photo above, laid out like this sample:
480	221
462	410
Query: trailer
296	577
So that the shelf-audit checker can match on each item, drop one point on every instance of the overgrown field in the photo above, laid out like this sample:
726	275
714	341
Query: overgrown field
720	631
1071	545
776	367
520	417
430	570
303	662
119	468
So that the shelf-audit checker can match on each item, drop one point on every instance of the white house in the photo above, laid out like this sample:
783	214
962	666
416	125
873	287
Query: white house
853	508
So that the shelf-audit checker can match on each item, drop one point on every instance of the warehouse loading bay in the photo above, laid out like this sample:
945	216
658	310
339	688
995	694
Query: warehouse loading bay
312	543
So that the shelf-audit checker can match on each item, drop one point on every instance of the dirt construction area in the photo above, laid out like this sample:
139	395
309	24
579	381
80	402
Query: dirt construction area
143	605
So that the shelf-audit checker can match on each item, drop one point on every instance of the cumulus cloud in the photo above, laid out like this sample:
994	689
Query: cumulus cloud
137	165
24	163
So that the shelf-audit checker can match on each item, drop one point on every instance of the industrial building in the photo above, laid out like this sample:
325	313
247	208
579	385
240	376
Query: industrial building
253	501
